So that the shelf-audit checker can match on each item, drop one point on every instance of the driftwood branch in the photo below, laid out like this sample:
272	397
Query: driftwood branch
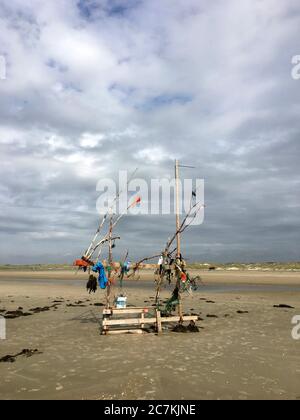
106	239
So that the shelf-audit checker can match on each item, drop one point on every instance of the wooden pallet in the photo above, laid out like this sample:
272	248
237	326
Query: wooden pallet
136	325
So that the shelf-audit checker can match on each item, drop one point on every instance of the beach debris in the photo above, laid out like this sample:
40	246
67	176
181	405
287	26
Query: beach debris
283	305
172	302
15	314
38	309
19	312
212	316
107	271
179	328
102	278
124	269
171	265
94	245
192	327
242	312
91	285
7	359
25	352
75	305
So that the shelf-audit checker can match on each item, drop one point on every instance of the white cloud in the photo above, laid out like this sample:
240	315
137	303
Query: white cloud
91	140
153	155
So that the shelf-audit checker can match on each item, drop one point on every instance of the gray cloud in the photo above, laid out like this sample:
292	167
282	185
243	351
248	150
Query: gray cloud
93	87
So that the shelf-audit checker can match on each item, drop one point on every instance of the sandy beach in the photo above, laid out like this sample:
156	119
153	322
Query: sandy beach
244	349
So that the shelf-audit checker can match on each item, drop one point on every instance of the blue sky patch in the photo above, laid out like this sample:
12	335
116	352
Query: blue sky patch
165	100
90	9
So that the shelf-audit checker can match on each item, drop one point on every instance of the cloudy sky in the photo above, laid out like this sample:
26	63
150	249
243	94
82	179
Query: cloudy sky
94	86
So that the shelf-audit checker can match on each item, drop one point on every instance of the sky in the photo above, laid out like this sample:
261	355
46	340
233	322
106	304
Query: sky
93	87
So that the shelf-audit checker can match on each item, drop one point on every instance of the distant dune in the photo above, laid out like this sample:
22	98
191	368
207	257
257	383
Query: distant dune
261	266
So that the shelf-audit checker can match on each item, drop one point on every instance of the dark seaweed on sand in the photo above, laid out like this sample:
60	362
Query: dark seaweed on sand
25	352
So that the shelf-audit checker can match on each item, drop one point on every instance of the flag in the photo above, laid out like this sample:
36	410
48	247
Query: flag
136	201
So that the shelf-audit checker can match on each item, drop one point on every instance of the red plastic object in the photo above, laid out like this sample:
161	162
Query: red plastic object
81	263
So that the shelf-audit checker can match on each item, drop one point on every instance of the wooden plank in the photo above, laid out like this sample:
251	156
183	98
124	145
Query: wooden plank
133	321
133	331
116	311
177	318
128	321
137	307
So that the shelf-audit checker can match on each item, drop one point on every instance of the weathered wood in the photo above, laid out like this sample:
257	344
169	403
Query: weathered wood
119	311
158	322
114	326
177	318
110	261
134	321
128	321
133	331
142	318
177	208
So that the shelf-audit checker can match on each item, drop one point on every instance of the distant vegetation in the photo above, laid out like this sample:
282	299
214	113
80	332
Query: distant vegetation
36	267
266	266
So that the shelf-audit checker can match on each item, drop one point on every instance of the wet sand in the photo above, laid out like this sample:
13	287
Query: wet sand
244	349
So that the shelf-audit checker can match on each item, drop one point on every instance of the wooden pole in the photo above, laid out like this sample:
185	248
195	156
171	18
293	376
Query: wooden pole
158	321
177	207
178	236
110	261
158	286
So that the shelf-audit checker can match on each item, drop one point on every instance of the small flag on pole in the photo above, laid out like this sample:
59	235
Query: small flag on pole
136	201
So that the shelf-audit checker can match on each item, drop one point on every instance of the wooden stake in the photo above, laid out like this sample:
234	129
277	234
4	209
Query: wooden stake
178	236
142	317
158	286
158	321
177	207
110	261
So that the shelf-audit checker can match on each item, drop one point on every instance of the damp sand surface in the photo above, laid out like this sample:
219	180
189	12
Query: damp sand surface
244	349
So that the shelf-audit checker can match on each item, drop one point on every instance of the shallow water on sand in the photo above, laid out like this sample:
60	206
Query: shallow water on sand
145	284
